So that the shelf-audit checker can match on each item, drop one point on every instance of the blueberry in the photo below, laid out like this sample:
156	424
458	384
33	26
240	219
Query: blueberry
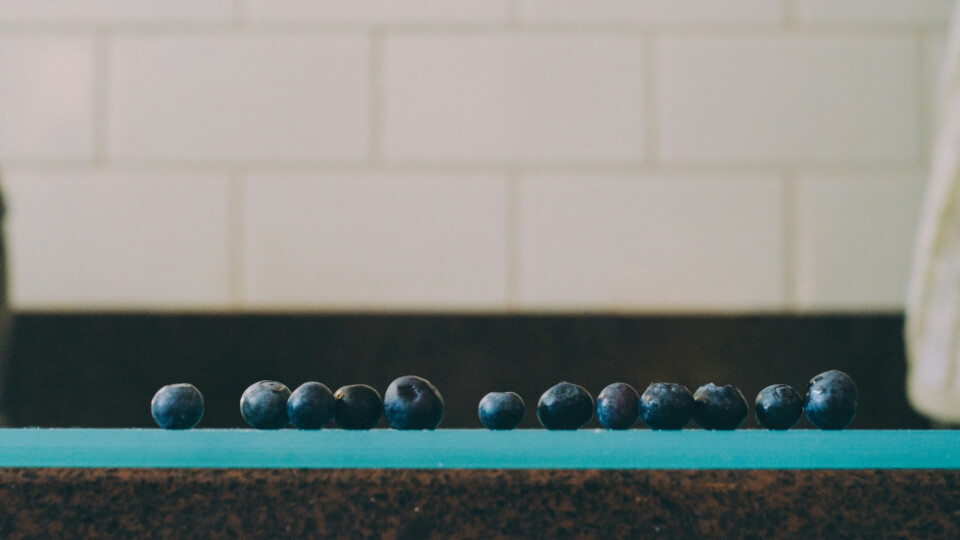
666	406
310	406
618	406
719	407
264	405
778	406
411	402
831	401
565	406
501	410
177	406
357	406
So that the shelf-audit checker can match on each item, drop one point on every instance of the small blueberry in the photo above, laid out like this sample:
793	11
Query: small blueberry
263	405
177	406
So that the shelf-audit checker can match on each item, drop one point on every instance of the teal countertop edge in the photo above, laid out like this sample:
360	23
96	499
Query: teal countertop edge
479	449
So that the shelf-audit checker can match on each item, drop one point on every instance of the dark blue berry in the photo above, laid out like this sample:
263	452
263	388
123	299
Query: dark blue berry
501	410
411	402
618	406
177	406
565	406
264	405
831	401
310	406
778	406
357	406
666	406
719	407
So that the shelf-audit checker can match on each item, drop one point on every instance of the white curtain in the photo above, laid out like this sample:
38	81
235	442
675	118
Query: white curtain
933	304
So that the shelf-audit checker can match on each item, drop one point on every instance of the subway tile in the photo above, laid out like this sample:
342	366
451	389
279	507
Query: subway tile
652	243
377	11
789	99
238	98
375	242
906	12
653	11
854	240
111	240
46	97
95	12
512	98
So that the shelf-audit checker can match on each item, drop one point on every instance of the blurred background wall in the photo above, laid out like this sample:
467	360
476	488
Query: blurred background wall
494	194
685	156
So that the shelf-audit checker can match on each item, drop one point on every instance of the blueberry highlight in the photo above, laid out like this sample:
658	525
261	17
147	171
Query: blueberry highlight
618	406
310	406
501	410
263	405
666	406
565	406
357	406
831	401
177	406
412	402
778	406
719	407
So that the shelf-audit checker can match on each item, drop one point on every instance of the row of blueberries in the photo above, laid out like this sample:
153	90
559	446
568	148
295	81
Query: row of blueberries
412	402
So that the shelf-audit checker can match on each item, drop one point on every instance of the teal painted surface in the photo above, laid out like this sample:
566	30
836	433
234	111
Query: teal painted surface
480	449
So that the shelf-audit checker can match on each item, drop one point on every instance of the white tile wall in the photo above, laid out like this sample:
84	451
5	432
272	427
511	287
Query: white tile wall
789	99
418	242
901	12
227	97
455	155
653	11
378	11
76	12
657	243
854	241
83	240
46	97
509	98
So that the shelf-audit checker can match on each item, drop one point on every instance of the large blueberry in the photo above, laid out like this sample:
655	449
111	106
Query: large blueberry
778	406
263	405
177	406
666	406
831	401
357	406
411	402
565	406
310	406
618	406
501	410
719	407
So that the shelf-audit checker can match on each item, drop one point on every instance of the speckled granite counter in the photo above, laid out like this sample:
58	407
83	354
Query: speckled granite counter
404	503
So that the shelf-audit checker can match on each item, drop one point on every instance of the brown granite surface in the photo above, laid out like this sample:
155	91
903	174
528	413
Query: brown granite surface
272	503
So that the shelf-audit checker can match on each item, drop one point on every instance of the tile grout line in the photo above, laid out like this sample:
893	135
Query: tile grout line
236	236
669	169
513	260
651	102
377	43
705	30
790	241
100	84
